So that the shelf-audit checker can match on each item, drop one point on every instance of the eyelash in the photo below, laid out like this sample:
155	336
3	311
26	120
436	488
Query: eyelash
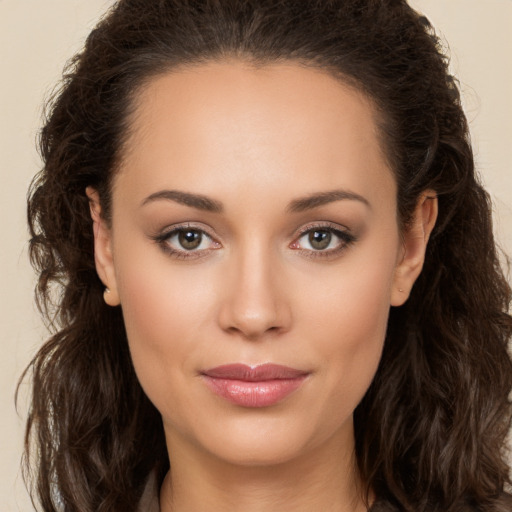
345	239
162	239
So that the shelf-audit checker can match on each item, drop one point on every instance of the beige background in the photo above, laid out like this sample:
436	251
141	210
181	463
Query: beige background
37	37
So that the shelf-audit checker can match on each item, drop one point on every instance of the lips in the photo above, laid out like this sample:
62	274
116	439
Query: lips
260	386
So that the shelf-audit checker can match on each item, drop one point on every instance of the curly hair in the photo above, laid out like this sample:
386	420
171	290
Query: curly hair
431	430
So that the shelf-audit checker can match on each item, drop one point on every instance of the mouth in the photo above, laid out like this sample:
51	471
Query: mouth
260	386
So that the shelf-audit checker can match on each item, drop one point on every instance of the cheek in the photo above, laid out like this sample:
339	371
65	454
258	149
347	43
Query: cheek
165	309
354	300
159	303
161	322
349	322
356	333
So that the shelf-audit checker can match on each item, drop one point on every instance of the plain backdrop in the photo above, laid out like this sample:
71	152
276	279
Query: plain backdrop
37	37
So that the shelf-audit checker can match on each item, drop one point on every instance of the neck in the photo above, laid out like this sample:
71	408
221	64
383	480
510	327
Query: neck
324	479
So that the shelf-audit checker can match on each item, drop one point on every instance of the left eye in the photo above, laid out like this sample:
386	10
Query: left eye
323	239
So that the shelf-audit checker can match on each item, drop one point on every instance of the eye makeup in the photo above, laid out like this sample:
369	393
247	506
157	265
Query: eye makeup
190	241
325	240
186	241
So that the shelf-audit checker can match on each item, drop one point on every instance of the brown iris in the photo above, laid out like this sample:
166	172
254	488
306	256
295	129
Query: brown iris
320	239
190	239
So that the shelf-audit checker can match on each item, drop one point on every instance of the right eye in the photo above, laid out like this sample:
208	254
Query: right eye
186	242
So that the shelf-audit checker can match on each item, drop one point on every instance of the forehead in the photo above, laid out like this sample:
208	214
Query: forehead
280	123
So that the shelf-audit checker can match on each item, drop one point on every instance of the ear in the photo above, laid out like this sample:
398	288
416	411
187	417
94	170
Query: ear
414	246
103	249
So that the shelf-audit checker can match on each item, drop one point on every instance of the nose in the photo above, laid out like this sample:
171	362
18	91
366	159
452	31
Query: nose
254	297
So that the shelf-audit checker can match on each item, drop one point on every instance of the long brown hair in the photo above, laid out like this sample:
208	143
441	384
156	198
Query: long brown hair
430	432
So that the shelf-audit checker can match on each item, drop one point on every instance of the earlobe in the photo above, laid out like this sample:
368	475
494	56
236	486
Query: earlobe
103	249
414	247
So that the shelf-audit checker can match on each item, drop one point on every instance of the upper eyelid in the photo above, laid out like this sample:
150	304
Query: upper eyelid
163	240
208	231
174	228
344	234
323	225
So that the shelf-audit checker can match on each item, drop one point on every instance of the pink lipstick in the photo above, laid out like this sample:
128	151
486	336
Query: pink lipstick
259	386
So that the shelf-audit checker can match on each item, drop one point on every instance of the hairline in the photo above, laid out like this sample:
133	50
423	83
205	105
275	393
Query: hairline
135	96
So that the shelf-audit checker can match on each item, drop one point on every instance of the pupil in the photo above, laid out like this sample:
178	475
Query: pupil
320	239
189	239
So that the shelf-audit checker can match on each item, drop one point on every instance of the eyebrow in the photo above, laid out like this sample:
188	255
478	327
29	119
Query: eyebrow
197	201
302	204
322	198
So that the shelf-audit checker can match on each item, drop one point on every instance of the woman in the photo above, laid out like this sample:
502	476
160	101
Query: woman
280	289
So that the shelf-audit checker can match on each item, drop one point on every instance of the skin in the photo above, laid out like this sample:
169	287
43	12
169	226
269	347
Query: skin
257	290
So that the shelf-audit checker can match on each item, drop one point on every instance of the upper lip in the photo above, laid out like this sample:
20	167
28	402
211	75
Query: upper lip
258	373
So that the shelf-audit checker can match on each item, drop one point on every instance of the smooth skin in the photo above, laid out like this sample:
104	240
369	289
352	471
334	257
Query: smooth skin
255	220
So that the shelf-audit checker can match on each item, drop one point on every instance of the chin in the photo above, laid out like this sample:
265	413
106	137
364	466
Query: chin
259	450
264	438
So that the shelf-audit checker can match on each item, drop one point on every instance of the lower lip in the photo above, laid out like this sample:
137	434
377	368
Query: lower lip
253	394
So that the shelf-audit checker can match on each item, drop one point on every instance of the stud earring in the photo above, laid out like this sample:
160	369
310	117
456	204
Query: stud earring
111	297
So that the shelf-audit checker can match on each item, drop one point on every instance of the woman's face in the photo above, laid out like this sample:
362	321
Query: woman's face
254	223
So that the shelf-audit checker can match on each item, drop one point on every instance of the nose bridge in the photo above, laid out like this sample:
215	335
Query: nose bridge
254	303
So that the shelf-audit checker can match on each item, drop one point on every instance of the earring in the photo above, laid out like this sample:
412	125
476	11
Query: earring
110	297
399	289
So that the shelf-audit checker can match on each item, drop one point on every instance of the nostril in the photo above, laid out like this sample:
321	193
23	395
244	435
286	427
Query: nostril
253	333
253	304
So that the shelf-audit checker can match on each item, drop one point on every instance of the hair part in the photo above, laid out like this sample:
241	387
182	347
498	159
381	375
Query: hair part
430	432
